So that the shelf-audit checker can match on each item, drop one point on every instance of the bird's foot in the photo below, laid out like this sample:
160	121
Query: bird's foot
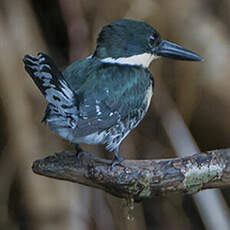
117	161
79	151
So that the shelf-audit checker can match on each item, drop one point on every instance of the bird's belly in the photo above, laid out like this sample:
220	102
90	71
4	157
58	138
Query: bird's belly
94	138
117	133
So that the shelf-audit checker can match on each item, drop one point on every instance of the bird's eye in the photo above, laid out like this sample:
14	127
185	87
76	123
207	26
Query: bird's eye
151	40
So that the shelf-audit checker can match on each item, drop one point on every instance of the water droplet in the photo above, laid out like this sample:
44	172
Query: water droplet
130	217
130	205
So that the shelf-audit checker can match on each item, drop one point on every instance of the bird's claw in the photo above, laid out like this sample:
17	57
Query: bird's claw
79	151
79	155
117	161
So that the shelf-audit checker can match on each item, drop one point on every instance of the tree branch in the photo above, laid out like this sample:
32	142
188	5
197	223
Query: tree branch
140	179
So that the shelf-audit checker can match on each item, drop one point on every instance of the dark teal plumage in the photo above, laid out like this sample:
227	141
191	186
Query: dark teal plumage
113	87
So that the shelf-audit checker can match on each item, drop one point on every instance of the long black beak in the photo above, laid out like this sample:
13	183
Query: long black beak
171	50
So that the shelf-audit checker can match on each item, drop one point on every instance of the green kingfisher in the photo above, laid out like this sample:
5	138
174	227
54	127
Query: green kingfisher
100	99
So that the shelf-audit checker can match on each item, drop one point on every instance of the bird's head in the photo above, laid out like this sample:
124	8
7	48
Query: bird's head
137	43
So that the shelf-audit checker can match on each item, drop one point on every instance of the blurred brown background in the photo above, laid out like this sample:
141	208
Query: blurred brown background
67	31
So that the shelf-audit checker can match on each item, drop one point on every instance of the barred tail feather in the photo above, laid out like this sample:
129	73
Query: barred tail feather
51	83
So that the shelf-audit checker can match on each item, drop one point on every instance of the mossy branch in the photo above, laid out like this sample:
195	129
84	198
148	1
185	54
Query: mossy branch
140	179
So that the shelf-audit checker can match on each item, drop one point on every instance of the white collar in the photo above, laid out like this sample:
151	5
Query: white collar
140	59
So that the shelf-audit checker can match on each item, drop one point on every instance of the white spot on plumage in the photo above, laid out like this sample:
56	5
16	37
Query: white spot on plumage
33	67
41	66
98	110
45	77
35	62
41	58
43	74
68	93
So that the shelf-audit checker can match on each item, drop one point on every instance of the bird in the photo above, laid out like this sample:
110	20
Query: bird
100	99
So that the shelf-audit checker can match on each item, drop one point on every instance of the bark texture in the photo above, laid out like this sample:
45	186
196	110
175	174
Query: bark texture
140	179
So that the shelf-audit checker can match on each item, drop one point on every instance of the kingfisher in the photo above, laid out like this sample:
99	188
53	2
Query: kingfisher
100	99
